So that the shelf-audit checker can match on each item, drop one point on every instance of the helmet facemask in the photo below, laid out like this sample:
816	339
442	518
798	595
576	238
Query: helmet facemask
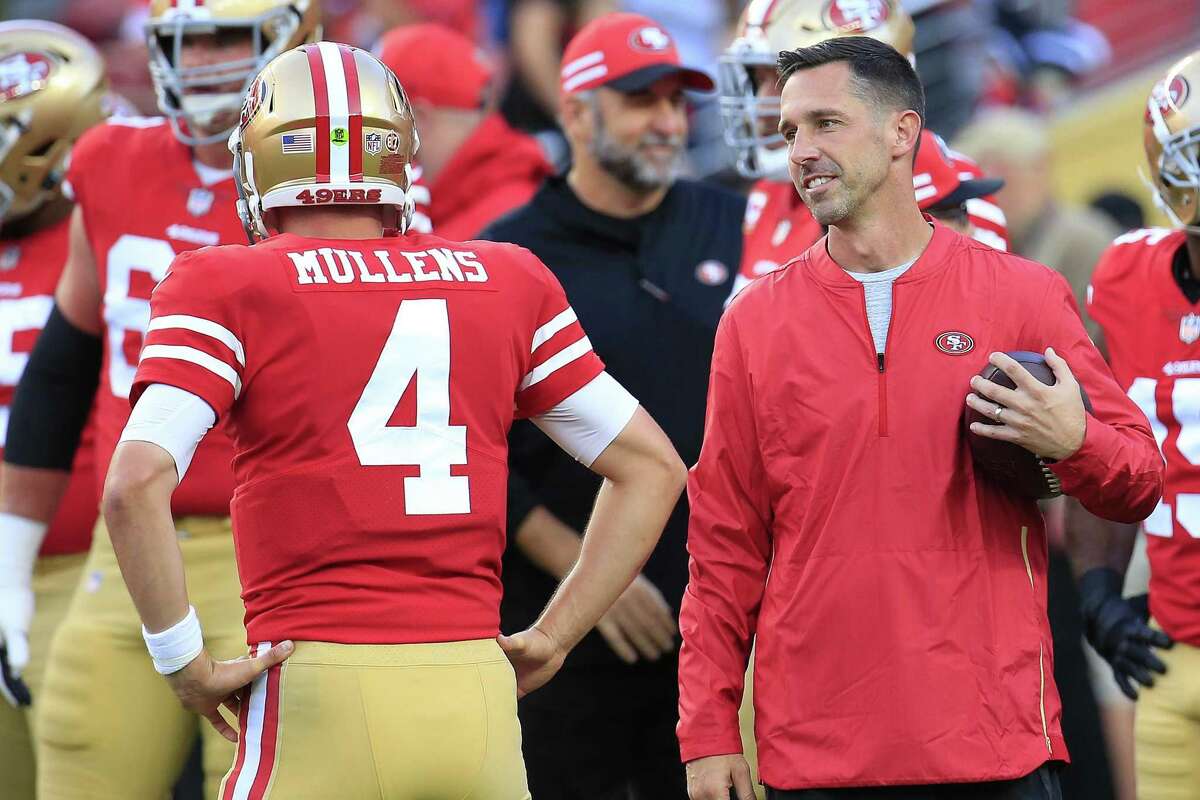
746	115
1176	184
192	113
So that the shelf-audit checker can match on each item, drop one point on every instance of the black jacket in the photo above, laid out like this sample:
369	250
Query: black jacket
649	292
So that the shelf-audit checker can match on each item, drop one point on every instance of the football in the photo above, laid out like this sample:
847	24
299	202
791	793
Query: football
1015	468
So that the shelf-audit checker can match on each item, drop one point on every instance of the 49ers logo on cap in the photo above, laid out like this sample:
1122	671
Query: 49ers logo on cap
650	39
856	15
1170	95
23	74
955	343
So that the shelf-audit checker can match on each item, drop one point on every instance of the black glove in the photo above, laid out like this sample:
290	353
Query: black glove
12	688
1117	628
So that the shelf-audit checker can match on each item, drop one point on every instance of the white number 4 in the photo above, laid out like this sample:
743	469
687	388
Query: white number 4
419	345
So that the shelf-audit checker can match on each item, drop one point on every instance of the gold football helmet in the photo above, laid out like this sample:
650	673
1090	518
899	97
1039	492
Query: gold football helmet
324	124
1172	140
52	89
200	97
769	26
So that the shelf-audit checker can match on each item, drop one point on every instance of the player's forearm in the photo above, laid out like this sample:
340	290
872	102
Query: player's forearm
548	542
137	511
1094	542
32	492
626	524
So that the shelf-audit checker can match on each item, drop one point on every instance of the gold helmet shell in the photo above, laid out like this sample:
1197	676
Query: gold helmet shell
197	99
52	89
1172	140
323	124
767	27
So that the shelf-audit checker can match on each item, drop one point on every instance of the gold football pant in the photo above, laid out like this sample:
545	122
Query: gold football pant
109	726
54	581
381	722
1167	729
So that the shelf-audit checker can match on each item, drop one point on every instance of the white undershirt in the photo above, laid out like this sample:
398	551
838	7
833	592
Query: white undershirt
583	425
878	288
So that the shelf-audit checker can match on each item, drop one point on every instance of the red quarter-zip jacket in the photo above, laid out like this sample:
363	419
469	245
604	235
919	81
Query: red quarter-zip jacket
898	598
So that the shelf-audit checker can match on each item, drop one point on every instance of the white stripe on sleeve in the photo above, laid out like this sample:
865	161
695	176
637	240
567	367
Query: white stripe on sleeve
200	325
198	357
588	421
556	362
560	321
172	418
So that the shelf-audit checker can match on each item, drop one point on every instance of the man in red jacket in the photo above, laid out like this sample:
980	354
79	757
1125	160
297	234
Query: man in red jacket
474	166
897	598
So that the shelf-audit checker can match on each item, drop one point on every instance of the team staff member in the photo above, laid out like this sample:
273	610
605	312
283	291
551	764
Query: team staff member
54	88
902	636
375	546
474	167
1143	295
645	259
144	189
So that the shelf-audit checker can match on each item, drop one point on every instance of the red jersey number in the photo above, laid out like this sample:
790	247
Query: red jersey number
418	347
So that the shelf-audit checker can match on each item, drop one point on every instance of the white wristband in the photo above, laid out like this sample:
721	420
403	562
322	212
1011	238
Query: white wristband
174	648
20	540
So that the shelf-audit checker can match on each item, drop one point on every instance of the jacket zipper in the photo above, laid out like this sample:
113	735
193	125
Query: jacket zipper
880	358
1041	647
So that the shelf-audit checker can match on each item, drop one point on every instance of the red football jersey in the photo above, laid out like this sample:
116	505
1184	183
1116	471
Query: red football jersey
29	270
369	387
991	226
777	228
143	202
1153	337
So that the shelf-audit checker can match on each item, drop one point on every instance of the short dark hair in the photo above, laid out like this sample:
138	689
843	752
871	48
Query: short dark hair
881	74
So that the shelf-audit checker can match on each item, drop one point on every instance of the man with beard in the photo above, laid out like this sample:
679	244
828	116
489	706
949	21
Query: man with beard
646	260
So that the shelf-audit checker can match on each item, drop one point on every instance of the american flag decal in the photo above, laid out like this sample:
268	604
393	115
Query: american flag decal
298	142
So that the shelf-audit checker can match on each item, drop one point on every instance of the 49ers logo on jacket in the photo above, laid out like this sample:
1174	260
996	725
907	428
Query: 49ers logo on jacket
23	74
320	196
955	343
856	15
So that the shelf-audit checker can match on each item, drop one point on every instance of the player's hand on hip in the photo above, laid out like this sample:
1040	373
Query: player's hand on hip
534	656
204	685
640	624
1048	421
1118	629
16	612
711	778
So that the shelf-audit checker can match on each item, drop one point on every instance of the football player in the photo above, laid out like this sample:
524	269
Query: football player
369	379
52	88
778	226
144	190
1143	296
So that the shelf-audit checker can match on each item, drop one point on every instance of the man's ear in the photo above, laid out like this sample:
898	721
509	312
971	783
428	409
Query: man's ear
907	134
575	116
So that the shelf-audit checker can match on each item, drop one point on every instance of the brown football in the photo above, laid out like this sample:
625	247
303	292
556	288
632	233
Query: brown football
1015	468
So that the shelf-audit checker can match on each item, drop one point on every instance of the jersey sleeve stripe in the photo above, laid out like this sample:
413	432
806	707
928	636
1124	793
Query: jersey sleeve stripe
560	321
556	362
197	357
991	212
202	326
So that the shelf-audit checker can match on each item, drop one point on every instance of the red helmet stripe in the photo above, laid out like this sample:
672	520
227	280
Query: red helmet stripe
320	109
354	105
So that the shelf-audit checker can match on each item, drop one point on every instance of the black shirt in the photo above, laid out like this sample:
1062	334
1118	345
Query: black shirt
649	292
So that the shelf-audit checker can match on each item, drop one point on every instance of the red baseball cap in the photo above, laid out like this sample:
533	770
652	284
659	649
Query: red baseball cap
626	52
438	65
937	182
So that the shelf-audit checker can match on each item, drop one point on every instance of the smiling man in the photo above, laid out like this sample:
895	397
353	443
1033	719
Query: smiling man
897	597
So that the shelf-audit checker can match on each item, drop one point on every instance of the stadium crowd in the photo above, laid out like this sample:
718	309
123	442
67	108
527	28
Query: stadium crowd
648	158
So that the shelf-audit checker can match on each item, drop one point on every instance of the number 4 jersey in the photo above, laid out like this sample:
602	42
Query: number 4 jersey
1153	337
142	202
369	386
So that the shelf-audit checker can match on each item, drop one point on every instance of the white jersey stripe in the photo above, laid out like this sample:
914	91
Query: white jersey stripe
254	731
198	357
978	207
555	363
560	321
339	112
203	326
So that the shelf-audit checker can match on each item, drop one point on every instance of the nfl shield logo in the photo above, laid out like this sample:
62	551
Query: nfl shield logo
199	202
373	143
1189	328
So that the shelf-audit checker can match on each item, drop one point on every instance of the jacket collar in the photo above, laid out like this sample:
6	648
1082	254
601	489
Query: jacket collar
558	201
942	245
